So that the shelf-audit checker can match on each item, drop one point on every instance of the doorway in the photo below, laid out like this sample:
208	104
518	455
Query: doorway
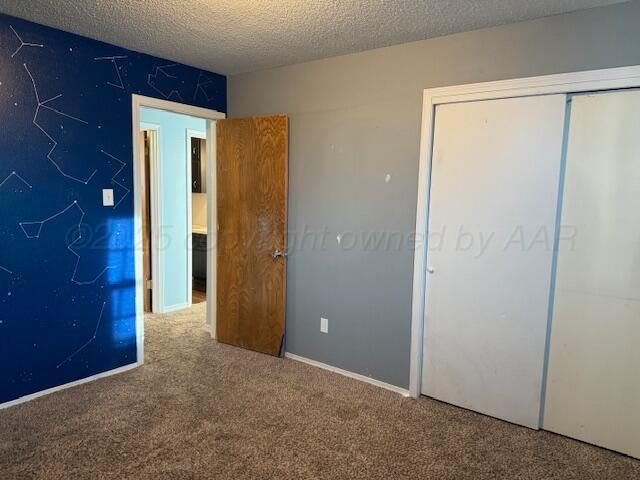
163	199
196	155
175	217
245	182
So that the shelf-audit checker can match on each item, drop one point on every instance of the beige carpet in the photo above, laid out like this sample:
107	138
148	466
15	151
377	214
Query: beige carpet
200	410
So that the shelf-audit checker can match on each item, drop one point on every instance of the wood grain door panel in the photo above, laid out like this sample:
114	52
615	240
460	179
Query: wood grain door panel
252	171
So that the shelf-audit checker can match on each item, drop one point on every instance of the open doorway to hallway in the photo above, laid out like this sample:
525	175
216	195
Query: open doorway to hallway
175	202
197	154
174	209
245	186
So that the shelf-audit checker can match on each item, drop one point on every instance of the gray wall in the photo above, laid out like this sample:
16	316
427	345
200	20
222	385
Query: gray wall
355	119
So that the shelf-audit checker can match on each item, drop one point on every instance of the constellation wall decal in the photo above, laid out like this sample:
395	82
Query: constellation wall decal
14	174
78	257
22	43
45	104
113	179
152	77
65	257
114	60
40	223
200	86
88	342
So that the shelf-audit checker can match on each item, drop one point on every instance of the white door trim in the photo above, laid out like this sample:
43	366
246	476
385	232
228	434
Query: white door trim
594	80
212	227
138	101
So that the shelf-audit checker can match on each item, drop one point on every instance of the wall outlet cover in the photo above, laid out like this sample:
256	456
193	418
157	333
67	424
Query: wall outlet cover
324	325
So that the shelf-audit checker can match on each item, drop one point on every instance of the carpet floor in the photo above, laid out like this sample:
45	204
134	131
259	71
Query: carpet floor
202	410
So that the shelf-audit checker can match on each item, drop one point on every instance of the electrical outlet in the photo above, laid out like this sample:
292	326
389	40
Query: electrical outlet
324	325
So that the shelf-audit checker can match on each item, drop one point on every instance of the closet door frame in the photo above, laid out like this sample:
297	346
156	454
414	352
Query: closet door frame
565	83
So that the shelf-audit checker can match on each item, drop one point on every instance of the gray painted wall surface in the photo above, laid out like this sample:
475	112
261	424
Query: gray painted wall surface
355	119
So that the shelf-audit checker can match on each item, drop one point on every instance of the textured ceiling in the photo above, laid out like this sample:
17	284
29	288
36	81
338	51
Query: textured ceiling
234	36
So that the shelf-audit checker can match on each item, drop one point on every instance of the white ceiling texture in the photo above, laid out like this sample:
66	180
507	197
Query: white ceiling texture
236	36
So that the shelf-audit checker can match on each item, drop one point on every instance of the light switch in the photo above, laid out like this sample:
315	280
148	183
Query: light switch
107	197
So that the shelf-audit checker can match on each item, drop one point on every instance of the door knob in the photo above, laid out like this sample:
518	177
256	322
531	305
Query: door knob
277	254
430	269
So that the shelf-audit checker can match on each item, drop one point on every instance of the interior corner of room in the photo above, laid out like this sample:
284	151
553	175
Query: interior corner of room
341	255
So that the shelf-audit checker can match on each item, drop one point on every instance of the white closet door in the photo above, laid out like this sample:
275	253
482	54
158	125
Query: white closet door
492	217
593	387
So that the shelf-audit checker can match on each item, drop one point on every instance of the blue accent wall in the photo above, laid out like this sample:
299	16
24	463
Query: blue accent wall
67	295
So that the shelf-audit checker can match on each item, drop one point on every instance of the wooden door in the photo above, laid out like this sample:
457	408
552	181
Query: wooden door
145	139
252	161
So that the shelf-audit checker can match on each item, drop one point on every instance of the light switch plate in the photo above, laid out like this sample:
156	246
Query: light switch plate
107	197
324	325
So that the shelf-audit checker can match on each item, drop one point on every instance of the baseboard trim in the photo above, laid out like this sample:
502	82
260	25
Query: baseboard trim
387	386
97	376
175	308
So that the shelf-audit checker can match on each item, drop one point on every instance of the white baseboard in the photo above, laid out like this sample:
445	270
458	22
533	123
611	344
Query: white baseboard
97	376
346	373
175	308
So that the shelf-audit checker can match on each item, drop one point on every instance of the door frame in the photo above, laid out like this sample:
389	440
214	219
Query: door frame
564	83
155	154
138	101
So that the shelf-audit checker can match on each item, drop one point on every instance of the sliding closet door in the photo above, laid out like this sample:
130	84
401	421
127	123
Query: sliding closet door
493	208
593	388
